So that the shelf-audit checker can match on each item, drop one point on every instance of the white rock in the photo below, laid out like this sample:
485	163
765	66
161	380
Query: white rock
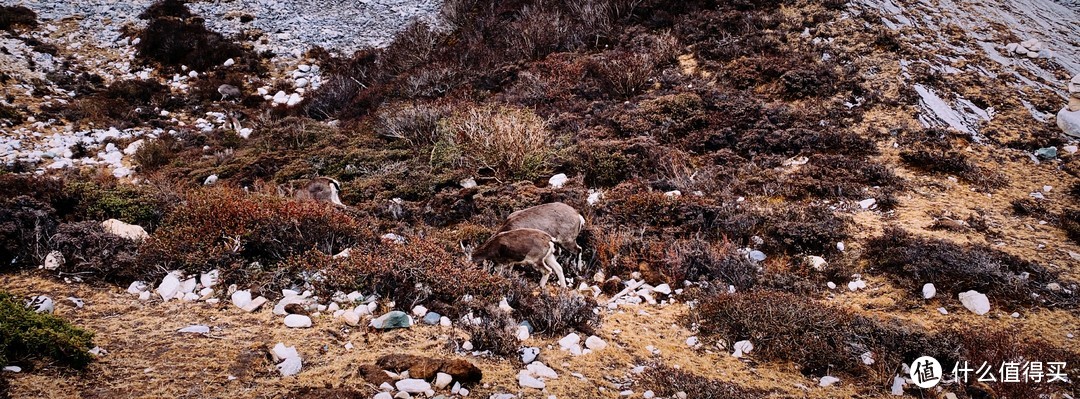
856	285
42	304
942	311
528	381
386	387
828	381
467	183
816	262
528	355
188	286
290	366
210	278
467	345
144	296
540	370
867	203
169	286
412	385
281	97
303	68
595	343
442	380
297	321
241	298
210	180
898	386
294	99
693	342
831	285
928	291
975	302
128	231
594	197
662	289
351	318
569	341
419	311
13	369
1069	122
195	329
867	358
648	394
281	352
383	395
444	321
522	333
840	246
741	348
301	83
229	62
137	287
558	180
254	304
673	194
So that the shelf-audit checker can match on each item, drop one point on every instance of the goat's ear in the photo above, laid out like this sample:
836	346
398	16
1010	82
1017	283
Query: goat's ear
467	250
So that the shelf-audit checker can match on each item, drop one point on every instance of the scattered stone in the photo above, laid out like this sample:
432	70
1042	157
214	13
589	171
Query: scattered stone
831	285
528	381
419	311
195	329
648	394
928	291
529	354
41	304
662	289
254	304
467	345
351	318
816	262
756	256
540	370
445	321
128	231
169	286
1069	122
13	369
898	386
53	261
867	203
210	278
210	180
693	342
297	321
856	284
432	318
383	395
1047	153
741	348
290	366
392	320
673	194
595	343
558	180
942	311
828	380
137	287
241	298
522	333
975	302
413	385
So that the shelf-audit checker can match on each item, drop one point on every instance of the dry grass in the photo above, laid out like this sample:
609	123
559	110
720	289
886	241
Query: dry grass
514	142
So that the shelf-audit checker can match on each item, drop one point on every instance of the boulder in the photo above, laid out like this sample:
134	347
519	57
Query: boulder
128	231
392	320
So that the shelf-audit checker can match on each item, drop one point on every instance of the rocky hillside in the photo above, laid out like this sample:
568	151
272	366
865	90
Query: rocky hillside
782	198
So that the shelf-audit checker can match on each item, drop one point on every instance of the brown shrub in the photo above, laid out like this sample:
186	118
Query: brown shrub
217	227
11	16
952	162
420	271
699	260
25	227
1070	222
913	261
173	37
496	333
91	253
512	141
666	381
553	314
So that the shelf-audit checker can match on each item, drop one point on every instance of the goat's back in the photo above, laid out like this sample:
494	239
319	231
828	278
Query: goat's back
515	246
557	219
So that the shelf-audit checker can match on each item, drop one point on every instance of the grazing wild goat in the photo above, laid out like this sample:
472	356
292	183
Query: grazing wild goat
559	220
531	247
322	189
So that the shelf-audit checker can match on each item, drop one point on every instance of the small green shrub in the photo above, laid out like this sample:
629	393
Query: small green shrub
26	335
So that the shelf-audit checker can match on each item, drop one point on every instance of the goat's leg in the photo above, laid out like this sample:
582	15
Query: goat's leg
553	265
545	273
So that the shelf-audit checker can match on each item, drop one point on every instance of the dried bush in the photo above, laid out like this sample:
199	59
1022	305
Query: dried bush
291	133
668	118
420	271
496	333
1070	222
217	227
816	80
997	346
173	38
952	162
553	314
155	154
514	142
26	336
622	74
812	230
91	253
666	381
25	227
11	16
10	116
913	261
166	8
699	260
417	124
